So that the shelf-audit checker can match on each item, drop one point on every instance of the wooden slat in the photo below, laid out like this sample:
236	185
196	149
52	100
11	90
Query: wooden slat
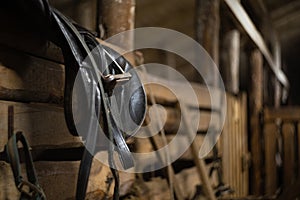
144	146
288	154
173	120
244	129
163	95
235	146
287	113
271	178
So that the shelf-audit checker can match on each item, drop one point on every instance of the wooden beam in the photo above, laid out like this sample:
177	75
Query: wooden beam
164	96
277	85
207	34
116	17
256	37
26	96
286	113
255	108
289	8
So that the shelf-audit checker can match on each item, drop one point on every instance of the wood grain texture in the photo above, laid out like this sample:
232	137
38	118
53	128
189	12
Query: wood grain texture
124	12
165	94
19	71
207	34
41	124
286	113
234	139
288	131
255	108
144	146
271	176
58	180
230	58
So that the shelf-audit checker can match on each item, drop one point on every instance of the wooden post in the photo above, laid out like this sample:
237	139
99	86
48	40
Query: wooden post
230	61
115	17
207	33
277	86
255	107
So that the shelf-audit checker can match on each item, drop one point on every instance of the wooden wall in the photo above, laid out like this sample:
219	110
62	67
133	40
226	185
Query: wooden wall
26	78
235	154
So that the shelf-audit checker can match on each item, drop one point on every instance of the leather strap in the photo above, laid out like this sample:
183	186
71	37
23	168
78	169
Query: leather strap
113	131
30	190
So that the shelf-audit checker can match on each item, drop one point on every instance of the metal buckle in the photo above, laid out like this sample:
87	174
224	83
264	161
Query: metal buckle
33	190
111	81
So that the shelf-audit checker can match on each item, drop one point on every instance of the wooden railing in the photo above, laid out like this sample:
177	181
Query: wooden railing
281	148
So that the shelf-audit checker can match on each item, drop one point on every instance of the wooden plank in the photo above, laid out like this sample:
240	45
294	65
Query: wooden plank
245	142
58	180
255	107
288	131
144	146
25	96
235	146
26	78
42	125
271	178
21	71
163	95
172	119
286	113
226	149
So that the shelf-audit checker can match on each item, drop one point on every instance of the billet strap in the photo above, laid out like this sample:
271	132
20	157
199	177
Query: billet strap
30	190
